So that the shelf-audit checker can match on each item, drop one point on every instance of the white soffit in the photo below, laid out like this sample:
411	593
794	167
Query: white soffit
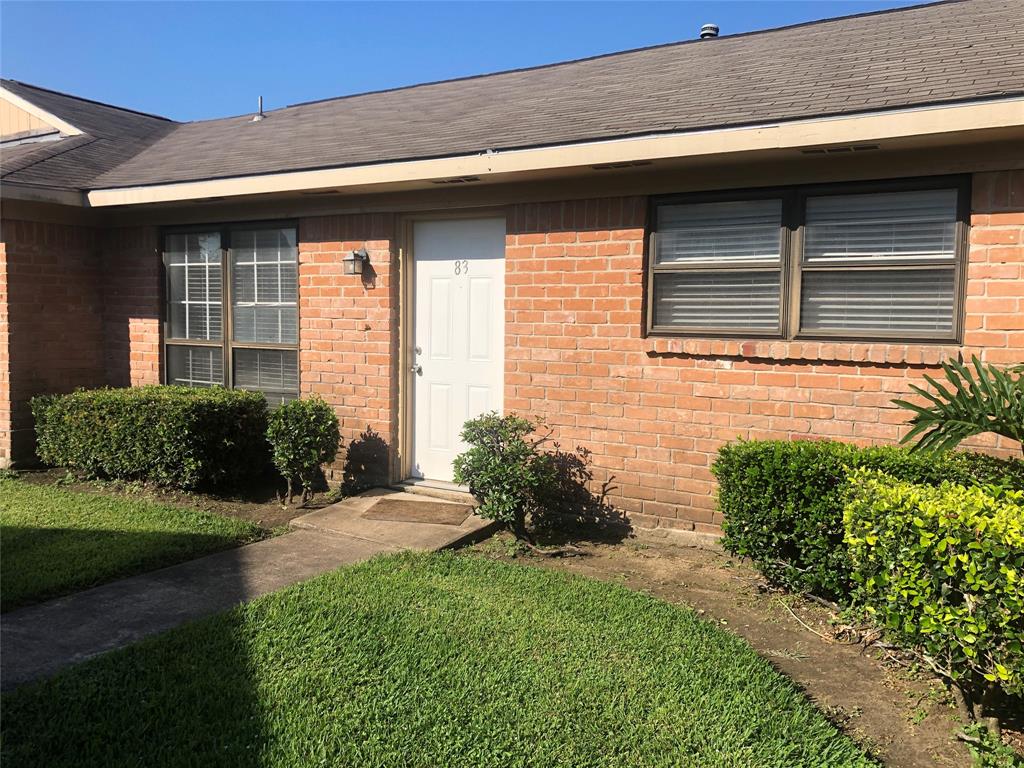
933	121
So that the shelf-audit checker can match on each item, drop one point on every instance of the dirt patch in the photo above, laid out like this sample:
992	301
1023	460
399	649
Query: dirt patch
903	717
258	503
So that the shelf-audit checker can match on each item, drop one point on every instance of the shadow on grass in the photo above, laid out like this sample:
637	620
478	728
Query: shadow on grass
151	704
43	563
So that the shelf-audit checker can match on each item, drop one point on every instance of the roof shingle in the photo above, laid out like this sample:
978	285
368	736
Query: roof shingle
947	52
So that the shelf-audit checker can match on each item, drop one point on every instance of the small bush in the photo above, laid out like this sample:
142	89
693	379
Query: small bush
942	570
526	481
303	436
505	469
782	502
175	436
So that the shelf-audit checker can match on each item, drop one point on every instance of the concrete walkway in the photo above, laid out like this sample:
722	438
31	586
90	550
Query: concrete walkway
37	641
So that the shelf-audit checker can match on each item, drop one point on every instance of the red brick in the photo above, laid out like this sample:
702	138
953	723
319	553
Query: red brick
653	411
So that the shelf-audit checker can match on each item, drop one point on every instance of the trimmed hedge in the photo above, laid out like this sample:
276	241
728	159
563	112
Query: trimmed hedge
303	435
942	570
177	436
782	502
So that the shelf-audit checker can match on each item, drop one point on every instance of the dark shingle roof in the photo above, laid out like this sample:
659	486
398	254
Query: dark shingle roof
110	135
940	53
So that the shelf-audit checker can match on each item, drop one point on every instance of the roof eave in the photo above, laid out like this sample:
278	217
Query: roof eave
38	194
923	122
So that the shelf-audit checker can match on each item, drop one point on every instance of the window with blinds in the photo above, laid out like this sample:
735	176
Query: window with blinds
189	366
717	266
862	261
193	266
253	270
274	372
880	264
264	286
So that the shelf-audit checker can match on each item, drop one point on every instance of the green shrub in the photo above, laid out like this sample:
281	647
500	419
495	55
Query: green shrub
782	501
176	436
969	402
303	436
942	570
505	469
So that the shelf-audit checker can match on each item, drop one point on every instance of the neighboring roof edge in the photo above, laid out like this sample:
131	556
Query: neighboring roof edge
38	194
927	120
108	105
595	57
39	113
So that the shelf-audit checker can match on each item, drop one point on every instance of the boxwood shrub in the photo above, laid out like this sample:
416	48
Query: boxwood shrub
942	570
782	501
304	435
175	436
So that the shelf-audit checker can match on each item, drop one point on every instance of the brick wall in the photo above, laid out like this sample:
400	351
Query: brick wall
54	312
348	336
5	365
654	411
131	306
83	311
995	275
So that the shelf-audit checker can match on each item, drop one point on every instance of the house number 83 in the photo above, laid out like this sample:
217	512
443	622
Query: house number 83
461	267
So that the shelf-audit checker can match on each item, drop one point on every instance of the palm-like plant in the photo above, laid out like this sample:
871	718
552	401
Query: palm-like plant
985	399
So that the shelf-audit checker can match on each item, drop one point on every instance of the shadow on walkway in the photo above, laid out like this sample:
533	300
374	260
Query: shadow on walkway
35	565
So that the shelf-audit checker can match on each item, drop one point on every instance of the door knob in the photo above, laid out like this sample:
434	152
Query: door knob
417	369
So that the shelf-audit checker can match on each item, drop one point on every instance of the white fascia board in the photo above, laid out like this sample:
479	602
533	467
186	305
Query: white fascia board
849	129
66	128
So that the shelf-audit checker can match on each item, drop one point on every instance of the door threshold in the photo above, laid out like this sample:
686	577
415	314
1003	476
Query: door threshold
437	488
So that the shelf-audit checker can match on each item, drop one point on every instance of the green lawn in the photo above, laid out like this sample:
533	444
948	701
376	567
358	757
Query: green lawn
56	541
430	660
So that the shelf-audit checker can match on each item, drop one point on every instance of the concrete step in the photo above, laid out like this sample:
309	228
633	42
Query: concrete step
437	490
346	519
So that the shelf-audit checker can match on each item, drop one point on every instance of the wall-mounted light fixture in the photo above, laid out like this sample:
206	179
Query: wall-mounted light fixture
353	263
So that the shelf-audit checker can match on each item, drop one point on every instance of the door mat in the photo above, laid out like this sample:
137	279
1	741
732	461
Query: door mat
408	511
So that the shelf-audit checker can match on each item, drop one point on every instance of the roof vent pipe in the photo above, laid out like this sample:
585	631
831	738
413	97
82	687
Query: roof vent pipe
259	111
708	30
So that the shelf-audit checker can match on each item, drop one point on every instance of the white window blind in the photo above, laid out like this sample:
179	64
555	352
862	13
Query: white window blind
716	233
193	266
264	286
274	372
727	299
195	366
870	300
866	260
849	239
259	349
919	225
717	266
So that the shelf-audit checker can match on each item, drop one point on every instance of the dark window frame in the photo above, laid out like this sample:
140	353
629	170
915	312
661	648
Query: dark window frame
226	344
794	199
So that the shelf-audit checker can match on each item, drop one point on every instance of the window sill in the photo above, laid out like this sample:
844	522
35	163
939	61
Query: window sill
876	353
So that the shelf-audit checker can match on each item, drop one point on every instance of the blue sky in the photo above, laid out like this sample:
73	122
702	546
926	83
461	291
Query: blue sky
199	60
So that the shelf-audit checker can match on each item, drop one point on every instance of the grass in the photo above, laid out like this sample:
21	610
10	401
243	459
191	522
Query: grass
57	541
430	660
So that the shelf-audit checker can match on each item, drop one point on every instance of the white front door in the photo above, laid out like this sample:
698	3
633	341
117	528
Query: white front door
458	354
